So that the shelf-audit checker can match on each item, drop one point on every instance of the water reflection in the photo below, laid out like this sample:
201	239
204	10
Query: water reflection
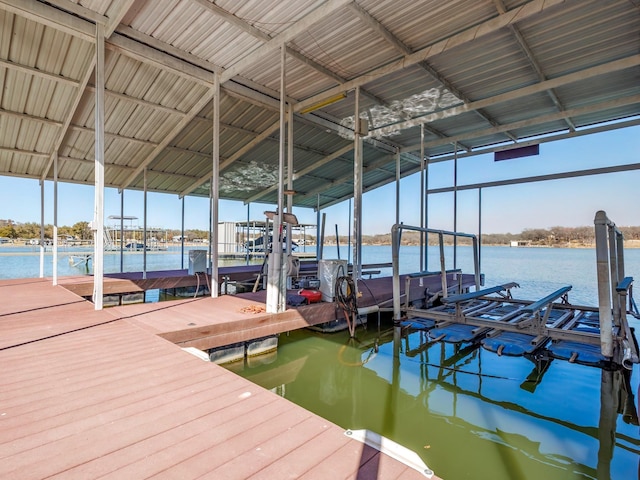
467	412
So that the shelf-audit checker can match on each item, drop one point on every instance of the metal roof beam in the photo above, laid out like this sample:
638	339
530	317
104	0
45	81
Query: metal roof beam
72	25
536	66
296	175
255	94
375	25
112	23
160	46
20	151
175	131
161	60
155	55
563	136
348	178
537	141
614	66
186	151
141	142
330	74
69	115
381	30
267	98
245	148
233	20
515	15
314	65
552	117
125	168
39	73
138	101
541	178
80	128
79	11
320	13
51	17
122	7
32	118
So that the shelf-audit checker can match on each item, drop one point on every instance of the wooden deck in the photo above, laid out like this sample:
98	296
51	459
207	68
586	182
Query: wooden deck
87	394
205	322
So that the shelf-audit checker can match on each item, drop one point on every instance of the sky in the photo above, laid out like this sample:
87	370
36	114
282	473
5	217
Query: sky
507	209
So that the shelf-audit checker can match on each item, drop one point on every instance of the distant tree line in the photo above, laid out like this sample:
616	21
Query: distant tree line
554	236
14	230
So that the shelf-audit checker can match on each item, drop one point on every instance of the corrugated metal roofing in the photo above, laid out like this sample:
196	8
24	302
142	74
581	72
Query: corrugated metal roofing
477	73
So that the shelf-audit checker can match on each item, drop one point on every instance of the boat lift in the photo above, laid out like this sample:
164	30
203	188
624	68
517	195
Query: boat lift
500	323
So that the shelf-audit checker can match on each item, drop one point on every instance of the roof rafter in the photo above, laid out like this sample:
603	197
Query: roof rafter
536	66
52	17
282	38
123	168
32	118
380	29
175	131
111	24
621	64
232	158
537	141
39	73
512	16
304	171
348	178
574	112
232	19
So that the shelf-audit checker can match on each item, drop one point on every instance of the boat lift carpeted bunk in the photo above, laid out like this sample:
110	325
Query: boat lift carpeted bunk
492	318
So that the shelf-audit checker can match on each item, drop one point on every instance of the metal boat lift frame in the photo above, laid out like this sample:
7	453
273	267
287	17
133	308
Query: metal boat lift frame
535	318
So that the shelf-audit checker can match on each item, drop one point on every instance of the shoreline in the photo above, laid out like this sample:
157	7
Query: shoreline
35	249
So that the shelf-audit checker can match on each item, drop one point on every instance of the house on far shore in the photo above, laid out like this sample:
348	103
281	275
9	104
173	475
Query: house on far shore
5	240
520	243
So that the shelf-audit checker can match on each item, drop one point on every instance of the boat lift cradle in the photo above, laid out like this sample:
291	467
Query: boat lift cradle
591	335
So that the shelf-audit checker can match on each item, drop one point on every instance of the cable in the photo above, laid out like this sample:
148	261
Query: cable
197	284
346	298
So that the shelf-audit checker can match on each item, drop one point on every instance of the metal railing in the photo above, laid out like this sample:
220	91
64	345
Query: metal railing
396	234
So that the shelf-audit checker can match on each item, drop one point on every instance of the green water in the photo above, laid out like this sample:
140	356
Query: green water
467	412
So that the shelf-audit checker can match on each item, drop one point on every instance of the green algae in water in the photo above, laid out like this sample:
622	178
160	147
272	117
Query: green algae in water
467	412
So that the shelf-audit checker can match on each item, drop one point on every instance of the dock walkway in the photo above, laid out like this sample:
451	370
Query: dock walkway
88	394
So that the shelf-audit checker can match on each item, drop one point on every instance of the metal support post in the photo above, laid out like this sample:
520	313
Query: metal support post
423	262
122	230
604	286
144	226
357	192
98	215
276	288
455	205
182	237
55	218
41	228
215	186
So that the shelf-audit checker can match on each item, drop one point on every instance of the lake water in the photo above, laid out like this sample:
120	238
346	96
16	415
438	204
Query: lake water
538	271
468	413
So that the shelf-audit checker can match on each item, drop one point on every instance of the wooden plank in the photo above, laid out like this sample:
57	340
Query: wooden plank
305	457
89	393
153	452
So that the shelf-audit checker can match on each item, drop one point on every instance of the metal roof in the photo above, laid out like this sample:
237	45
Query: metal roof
478	74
